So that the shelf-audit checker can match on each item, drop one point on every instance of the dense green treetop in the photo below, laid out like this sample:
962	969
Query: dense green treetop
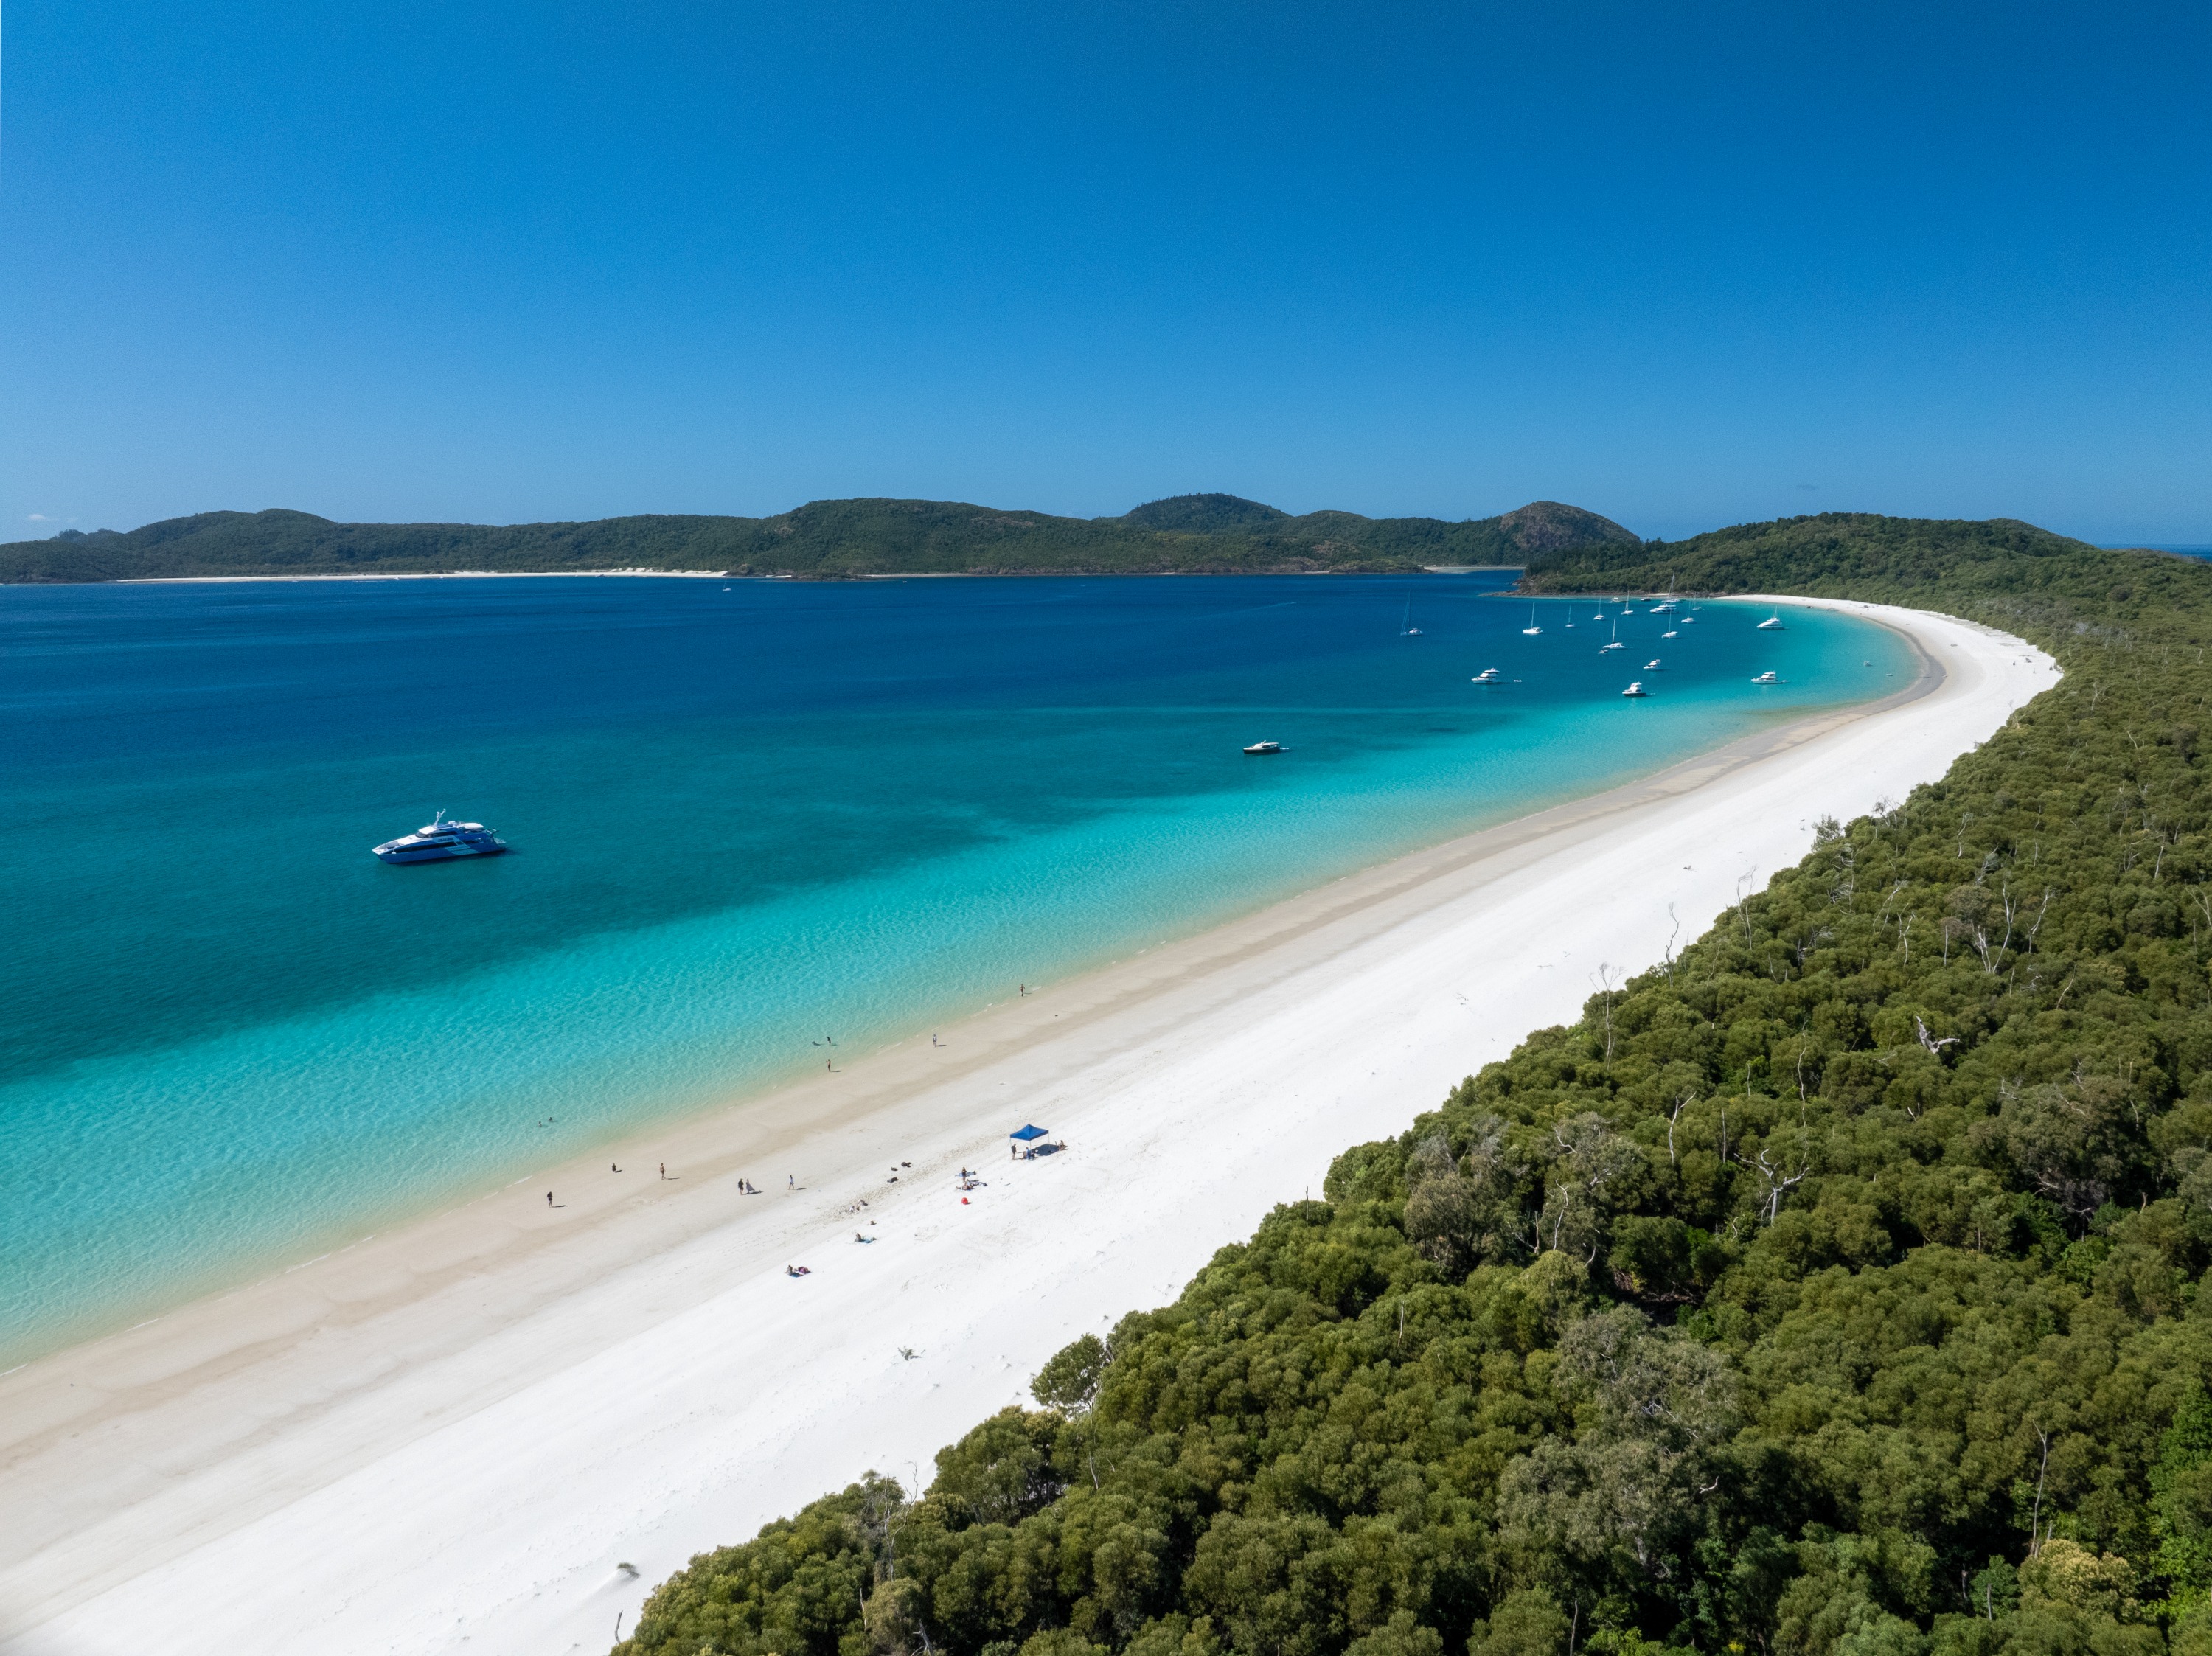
1190	534
1837	1285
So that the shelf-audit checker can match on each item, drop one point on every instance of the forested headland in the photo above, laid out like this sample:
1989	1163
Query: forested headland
1186	534
1837	1286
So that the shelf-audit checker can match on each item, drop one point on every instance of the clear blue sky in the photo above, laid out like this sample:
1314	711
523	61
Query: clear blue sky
1684	264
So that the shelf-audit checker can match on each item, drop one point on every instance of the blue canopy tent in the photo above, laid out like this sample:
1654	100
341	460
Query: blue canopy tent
1027	1133
1028	1136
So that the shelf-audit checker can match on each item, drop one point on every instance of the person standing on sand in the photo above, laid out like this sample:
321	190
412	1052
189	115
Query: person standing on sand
664	1170
549	1199
792	1180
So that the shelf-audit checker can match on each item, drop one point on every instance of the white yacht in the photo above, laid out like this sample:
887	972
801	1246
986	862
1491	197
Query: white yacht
1772	624
1265	747
1487	675
438	840
1769	678
1669	633
1652	665
1636	689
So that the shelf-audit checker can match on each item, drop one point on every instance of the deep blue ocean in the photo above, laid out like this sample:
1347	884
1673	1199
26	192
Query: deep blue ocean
742	815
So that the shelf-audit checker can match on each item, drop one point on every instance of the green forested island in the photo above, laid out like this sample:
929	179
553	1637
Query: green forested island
1840	1287
1186	534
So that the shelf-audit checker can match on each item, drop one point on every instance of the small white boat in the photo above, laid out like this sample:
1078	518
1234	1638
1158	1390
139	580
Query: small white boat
1531	630
1487	675
1265	747
1687	619
1669	633
1406	628
1769	678
1636	689
1663	607
1616	644
1652	665
1772	624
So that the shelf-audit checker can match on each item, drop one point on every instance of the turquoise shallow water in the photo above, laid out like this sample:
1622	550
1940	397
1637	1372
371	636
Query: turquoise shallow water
742	816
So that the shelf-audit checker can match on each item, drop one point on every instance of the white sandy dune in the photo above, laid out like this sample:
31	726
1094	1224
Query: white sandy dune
452	1437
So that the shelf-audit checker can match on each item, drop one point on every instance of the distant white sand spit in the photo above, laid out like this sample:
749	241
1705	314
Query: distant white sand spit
416	574
448	1437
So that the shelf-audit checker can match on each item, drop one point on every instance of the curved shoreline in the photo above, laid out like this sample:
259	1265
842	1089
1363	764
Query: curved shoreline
347	1429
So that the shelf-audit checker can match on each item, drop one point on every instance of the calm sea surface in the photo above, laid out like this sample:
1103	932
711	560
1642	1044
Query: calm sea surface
742	816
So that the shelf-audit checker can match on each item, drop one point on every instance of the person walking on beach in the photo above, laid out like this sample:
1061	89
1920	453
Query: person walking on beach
549	1199
664	1170
791	1179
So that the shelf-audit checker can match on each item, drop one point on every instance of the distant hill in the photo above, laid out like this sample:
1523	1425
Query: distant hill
1187	534
1834	553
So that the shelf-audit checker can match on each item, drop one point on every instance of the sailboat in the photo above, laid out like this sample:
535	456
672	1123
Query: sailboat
1616	644
1772	624
1669	633
1531	629
1406	628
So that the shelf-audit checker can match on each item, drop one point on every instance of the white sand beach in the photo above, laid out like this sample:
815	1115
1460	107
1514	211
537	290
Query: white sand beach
454	1436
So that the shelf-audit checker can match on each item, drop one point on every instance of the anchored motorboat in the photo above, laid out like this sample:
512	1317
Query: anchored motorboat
1636	689
1265	747
1769	678
1487	675
1772	624
438	840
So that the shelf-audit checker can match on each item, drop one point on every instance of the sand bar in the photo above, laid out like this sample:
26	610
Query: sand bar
452	1436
